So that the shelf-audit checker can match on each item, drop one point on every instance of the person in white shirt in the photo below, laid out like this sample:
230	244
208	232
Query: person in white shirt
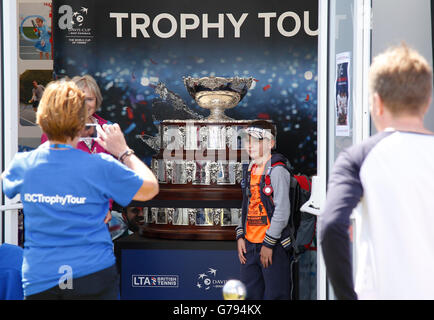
392	175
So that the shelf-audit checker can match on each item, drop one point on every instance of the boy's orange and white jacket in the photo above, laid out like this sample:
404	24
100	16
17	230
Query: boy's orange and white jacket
264	219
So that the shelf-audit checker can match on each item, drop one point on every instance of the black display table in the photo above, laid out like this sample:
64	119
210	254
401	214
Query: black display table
161	269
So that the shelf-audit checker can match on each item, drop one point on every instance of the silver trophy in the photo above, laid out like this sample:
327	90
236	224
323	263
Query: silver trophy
217	94
199	159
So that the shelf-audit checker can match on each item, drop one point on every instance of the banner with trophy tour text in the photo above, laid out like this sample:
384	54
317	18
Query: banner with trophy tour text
139	52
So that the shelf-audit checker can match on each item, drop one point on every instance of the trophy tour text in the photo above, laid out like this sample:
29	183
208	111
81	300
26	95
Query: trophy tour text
288	24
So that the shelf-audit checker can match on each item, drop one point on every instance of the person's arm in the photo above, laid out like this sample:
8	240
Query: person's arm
280	181
112	139
33	96
343	194
13	177
241	243
239	230
149	188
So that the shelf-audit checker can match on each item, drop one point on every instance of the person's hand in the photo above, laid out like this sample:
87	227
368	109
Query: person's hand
112	139
266	255
108	217
241	245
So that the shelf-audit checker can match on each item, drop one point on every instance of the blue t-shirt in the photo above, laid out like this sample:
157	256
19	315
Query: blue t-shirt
11	260
65	196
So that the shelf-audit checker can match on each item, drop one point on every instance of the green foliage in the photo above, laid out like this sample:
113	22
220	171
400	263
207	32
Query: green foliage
29	33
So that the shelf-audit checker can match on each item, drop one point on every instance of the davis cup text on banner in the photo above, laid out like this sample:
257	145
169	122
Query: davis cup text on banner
288	23
68	199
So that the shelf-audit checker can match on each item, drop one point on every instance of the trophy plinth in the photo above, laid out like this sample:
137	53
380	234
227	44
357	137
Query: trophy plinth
199	170
217	94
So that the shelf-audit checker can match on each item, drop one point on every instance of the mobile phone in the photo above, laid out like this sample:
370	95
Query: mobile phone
90	132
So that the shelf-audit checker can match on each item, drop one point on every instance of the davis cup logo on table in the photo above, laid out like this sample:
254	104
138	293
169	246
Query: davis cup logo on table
207	280
154	281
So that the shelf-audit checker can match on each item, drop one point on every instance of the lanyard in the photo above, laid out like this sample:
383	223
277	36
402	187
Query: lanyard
90	146
59	145
92	149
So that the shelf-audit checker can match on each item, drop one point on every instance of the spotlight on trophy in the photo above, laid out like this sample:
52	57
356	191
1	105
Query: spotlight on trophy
234	290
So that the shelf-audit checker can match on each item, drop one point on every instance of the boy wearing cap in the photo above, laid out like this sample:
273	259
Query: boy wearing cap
263	232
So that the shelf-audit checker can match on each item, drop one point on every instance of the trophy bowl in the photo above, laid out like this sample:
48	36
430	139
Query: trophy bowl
217	94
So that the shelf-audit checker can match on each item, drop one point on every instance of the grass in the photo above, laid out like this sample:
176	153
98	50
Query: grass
29	33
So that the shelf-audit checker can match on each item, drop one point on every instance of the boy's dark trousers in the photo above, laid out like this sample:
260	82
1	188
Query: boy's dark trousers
271	283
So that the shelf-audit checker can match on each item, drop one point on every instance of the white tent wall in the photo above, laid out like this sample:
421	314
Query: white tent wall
396	21
9	132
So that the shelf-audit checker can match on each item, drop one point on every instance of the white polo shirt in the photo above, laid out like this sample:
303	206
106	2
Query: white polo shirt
392	175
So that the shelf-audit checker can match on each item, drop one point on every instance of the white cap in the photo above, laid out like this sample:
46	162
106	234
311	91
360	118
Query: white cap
259	133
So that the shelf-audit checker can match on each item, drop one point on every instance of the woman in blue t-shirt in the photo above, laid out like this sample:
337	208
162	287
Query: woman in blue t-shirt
68	252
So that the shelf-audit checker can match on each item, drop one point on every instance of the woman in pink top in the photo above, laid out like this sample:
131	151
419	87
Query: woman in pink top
93	99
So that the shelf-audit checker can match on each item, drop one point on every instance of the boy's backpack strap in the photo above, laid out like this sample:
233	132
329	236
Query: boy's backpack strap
304	182
268	189
268	172
278	163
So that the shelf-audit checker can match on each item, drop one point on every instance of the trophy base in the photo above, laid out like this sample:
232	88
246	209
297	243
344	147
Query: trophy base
188	232
213	117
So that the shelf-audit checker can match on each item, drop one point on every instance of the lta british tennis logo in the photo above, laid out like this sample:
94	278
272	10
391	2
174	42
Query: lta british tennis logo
155	281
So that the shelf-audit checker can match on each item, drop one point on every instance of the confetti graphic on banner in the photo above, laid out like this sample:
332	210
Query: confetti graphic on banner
148	78
282	99
264	116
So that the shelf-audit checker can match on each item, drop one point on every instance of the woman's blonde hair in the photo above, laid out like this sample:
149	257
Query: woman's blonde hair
88	81
402	78
62	112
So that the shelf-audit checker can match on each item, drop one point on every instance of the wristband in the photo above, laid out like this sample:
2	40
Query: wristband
125	154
